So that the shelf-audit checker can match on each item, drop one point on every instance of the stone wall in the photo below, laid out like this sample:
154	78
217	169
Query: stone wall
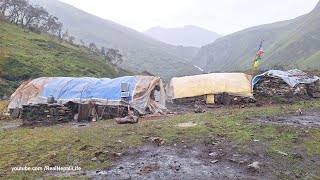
276	87
219	99
56	113
46	113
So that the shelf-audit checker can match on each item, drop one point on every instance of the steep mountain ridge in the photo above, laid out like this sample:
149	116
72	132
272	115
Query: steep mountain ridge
141	53
292	43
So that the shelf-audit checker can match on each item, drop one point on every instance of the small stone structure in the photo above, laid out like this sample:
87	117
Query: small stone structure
276	87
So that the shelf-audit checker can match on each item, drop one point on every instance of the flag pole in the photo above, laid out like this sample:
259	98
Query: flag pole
252	77
256	60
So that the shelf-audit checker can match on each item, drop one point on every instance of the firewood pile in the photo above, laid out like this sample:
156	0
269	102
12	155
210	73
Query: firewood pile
276	87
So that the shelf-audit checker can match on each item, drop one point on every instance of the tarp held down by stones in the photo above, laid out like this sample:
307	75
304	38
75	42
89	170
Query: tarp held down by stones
291	77
238	84
103	91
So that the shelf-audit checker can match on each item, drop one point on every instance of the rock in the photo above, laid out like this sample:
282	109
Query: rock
158	140
254	165
233	160
299	112
199	109
83	148
5	97
94	159
128	119
213	154
214	161
282	153
61	111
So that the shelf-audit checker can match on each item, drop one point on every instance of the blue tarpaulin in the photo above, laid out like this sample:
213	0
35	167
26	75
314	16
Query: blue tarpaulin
86	88
102	91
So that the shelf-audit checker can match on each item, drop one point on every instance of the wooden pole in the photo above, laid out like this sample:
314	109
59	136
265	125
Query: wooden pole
252	71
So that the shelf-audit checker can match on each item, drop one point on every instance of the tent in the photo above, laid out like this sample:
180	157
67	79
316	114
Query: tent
103	91
238	84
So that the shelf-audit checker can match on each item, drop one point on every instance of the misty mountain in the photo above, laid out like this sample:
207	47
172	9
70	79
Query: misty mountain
140	52
185	36
292	43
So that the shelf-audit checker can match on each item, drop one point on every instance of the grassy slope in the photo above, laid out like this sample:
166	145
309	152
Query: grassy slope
25	55
293	43
140	52
65	145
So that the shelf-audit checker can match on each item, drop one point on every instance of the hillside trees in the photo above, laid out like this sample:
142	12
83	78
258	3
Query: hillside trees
93	47
36	18
114	56
39	20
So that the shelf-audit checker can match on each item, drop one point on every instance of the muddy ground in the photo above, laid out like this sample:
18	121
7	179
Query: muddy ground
208	158
180	161
310	118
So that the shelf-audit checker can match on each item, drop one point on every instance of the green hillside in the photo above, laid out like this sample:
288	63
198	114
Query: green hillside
25	55
292	44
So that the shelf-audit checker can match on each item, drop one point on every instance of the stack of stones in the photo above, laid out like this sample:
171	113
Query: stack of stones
276	87
46	113
200	100
226	99
220	99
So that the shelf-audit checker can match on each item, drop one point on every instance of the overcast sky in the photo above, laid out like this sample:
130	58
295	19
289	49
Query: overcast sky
221	16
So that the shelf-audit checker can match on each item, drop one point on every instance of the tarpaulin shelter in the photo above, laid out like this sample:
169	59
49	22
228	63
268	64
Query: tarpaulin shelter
238	84
291	77
103	91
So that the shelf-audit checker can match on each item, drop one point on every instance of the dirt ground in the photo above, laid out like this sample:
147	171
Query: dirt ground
209	158
206	158
180	161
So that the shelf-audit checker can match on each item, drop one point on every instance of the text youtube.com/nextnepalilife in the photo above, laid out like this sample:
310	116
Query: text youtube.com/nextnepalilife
47	168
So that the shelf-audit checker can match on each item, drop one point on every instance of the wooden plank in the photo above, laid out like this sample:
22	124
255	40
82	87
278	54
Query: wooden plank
84	112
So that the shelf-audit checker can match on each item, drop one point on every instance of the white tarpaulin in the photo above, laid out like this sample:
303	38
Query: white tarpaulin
291	77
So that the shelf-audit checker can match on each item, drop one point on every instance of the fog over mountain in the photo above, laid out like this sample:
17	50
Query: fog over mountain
185	36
